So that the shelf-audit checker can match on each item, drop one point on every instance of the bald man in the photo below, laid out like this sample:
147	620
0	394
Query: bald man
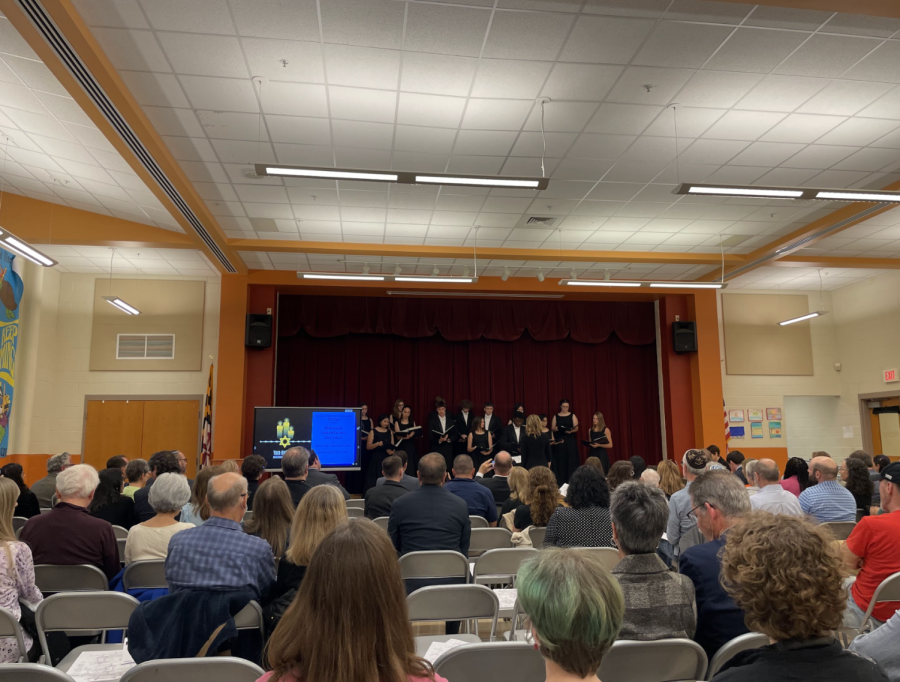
771	496
498	484
827	500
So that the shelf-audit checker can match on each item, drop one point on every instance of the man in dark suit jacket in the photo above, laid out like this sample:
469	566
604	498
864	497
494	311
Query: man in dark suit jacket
440	422
512	435
736	464
380	499
162	462
491	421
498	484
316	477
295	467
409	482
463	426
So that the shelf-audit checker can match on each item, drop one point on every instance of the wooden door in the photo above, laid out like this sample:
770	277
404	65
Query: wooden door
113	427
880	445
172	425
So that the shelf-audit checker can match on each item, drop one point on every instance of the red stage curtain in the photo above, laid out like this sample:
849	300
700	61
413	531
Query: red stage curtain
320	363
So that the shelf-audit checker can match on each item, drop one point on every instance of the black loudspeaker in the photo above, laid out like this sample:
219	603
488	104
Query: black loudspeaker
684	337
259	331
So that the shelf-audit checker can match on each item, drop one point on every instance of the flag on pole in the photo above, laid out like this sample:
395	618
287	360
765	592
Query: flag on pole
727	428
206	435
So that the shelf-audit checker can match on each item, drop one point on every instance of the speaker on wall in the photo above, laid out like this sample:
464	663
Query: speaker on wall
684	337
258	333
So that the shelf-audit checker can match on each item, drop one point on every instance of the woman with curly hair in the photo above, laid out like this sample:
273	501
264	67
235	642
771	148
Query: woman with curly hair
855	475
586	522
796	476
543	499
670	479
785	575
619	472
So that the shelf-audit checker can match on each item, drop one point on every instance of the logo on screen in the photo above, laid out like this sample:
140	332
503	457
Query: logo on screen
285	432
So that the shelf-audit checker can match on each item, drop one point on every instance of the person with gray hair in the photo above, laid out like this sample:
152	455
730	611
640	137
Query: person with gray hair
749	468
295	467
137	473
718	501
45	488
771	496
659	604
218	555
69	534
150	539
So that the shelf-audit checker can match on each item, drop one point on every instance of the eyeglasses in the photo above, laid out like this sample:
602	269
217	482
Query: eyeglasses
692	516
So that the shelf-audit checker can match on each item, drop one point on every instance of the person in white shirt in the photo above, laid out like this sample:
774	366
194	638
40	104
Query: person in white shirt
771	496
150	539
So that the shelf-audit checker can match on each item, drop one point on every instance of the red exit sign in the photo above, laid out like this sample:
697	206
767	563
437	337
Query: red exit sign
890	375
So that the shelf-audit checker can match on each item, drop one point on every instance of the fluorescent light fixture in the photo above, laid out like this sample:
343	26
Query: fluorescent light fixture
26	251
439	280
893	197
328	174
747	192
817	313
659	285
597	283
469	294
804	193
687	285
476	182
121	305
357	278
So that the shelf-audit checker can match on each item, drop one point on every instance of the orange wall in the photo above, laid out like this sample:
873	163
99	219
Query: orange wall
228	403
34	467
706	370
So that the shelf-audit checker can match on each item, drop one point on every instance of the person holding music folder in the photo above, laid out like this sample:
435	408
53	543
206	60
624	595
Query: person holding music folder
480	443
365	422
463	421
565	426
405	432
441	429
511	439
546	429
380	444
397	411
491	421
535	444
599	440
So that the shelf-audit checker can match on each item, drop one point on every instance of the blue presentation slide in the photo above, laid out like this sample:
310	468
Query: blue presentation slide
334	437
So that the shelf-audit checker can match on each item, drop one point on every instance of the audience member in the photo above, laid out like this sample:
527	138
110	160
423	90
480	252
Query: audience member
735	462
771	496
874	476
856	479
68	534
749	469
619	472
45	488
827	500
380	499
873	549
409	482
785	576
670	479
682	527
715	454
543	499
518	490
882	645
650	477
719	501
196	511
118	462
879	462
574	609
252	468
109	503
585	522
150	539
317	477
137	473
498	484
229	466
659	604
317	641
183	463
162	462
271	520
27	504
478	499
218	555
295	467
638	466
796	476
595	462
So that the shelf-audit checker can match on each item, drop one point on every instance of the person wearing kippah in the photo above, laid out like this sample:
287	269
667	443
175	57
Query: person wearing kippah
681	530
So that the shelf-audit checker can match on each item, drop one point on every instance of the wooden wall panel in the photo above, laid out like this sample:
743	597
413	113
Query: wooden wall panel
172	425
114	427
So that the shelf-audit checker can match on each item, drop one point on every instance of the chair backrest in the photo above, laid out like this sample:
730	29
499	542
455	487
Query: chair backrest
501	565
663	660
120	543
358	503
436	564
454	602
249	618
382	522
50	578
212	669
483	539
120	533
46	510
607	555
479	522
751	640
83	612
9	627
888	590
355	512
31	672
492	661
840	529
536	533
19	522
145	575
248	515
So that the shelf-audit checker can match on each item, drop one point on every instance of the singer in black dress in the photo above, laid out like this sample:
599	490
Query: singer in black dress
407	441
380	444
565	426
480	441
535	444
600	440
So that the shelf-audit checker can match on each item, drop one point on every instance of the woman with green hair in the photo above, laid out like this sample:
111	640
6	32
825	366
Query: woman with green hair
574	607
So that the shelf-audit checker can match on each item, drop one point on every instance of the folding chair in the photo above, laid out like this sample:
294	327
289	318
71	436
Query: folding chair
51	579
537	536
479	522
248	515
435	564
752	640
31	672
120	543
19	523
607	555
250	618
382	522
668	660
355	513
483	539
840	529
46	510
212	669
356	502
120	533
499	566
9	627
888	590
492	662
83	613
145	575
452	602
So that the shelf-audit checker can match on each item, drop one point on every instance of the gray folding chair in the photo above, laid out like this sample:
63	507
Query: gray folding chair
479	522
31	672
19	523
120	543
355	513
607	555
492	662
499	566
250	618
537	536
145	575
840	529
382	522
483	539
248	515
665	660
46	510
452	602
51	579
83	613
356	502
9	627
752	640
120	533
436	564
888	590
212	669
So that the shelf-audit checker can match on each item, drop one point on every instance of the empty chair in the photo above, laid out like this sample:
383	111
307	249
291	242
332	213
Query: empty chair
536	533
492	662
120	542
479	522
31	672
840	529
358	503
452	602
78	578
145	575
436	564
382	521
212	669
608	555
483	539
9	627
248	515
664	660
19	523
120	533
355	512
888	590
752	640
499	566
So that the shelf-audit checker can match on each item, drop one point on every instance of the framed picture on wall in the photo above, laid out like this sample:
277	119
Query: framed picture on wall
773	413
736	416
737	432
756	430
754	414
774	429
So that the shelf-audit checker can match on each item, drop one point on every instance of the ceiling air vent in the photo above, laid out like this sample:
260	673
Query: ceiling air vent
543	221
145	347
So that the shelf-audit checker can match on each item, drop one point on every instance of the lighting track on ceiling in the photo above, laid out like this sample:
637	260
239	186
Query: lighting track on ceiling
794	193
346	276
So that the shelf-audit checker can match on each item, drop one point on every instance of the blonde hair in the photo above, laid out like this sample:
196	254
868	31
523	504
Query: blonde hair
320	511
601	422
9	496
230	466
533	426
518	484
669	477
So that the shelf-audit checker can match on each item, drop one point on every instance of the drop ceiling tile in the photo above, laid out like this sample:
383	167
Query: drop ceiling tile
581	169
638	8
489	165
881	65
203	55
497	220
495	114
827	56
527	35
408	216
801	128
869	160
222	94
356	229
692	122
635	171
742	125
891	140
858	132
155	89
34	74
562	117
781	93
486	143
845	98
622	119
502	78
787	177
755	50
737	175
580	81
717	89
304	60
855	24
766	154
712	151
780	17
604	40
429	110
362	66
664	84
243	152
415	162
412	200
437	74
369	23
362	105
286	19
298	129
445	30
424	140
686	45
836	178
354	157
450	202
131	49
391	230
532	144
64	108
363	135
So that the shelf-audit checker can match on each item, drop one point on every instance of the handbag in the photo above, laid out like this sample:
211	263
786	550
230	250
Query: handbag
522	538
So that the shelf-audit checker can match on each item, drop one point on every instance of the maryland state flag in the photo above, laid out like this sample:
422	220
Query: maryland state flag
206	436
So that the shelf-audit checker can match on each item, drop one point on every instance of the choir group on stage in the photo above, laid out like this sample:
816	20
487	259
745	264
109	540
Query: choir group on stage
531	440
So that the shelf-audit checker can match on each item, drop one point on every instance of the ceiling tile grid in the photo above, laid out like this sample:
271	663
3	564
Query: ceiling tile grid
100	259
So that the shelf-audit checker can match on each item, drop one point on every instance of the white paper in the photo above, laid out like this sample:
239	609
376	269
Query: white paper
517	459
665	537
507	598
100	666
437	648
564	490
848	432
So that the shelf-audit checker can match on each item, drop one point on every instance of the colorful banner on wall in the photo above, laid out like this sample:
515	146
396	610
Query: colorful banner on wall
11	289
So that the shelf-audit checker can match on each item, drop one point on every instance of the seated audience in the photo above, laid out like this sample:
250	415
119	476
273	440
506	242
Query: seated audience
478	499
409	482
574	609
295	467
874	476
719	501
16	573
880	462
342	605
109	503
380	499
252	468
543	499
670	479
196	512
619	472
498	484
27	504
218	555
162	462
45	488
271	520
585	522
786	577
638	466
118	462
659	604
682	527
150	539
749	468
772	497
595	462
855	476
874	549
137	473
230	466
182	465
735	463
882	645
827	500
317	477
796	476
650	477
69	534
715	455
518	490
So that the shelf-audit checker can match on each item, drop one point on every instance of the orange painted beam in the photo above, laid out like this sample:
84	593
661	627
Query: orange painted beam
837	262
874	8
231	378
706	370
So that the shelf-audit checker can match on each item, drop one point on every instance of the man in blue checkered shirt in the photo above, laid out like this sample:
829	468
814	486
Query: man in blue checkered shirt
827	500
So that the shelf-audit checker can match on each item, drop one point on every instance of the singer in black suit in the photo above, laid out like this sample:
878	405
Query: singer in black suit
536	444
492	422
463	421
513	435
438	424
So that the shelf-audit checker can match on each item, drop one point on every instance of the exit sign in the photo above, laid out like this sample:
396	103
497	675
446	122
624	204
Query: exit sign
890	375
